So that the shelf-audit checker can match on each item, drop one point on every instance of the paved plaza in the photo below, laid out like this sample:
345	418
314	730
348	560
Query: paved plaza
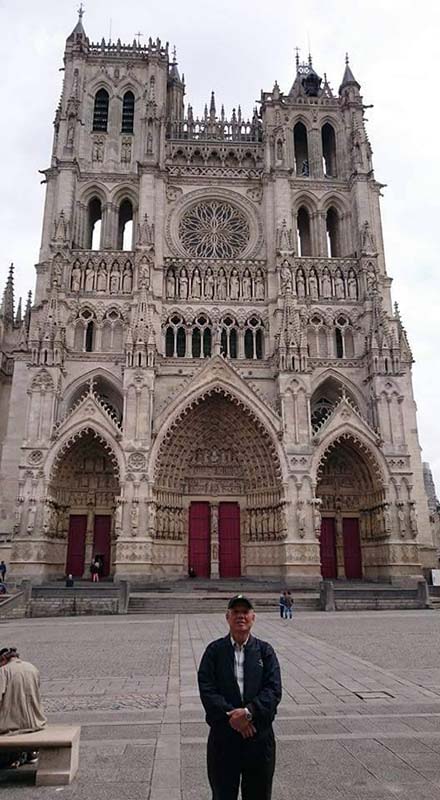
359	720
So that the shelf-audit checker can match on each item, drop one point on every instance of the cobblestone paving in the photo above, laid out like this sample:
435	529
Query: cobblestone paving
360	716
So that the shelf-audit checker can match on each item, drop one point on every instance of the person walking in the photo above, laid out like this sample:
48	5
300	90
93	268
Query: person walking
288	605
281	601
3	571
240	688
20	703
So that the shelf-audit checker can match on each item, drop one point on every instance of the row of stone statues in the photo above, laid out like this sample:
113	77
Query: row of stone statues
325	285
108	279
220	284
265	524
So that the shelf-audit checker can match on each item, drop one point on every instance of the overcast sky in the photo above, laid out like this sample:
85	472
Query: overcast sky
237	48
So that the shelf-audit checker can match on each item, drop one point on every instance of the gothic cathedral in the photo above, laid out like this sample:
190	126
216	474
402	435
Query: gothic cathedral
211	375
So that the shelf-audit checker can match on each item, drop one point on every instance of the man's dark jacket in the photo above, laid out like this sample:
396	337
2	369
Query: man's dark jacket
219	690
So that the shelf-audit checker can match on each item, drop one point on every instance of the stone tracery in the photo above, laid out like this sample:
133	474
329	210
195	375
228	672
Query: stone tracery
214	229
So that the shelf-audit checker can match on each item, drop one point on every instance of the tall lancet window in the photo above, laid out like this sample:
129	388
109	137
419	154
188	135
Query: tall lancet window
100	110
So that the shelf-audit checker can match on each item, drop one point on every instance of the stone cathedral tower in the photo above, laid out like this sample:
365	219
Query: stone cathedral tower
212	373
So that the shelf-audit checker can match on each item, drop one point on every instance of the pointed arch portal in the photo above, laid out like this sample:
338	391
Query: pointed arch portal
82	490
350	487
219	466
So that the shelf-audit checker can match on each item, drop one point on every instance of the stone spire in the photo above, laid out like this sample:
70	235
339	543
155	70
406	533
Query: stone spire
174	72
7	309
348	78
78	36
18	319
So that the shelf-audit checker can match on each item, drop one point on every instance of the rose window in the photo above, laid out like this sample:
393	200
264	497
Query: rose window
214	230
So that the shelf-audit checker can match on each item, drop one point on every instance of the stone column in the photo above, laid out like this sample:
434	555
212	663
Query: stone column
214	542
339	546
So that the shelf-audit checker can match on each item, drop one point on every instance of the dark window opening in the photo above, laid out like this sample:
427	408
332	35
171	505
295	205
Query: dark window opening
207	343
339	344
333	237
100	111
259	344
233	343
125	226
169	342
89	337
128	113
196	343
224	343
301	149
304	237
248	344
94	222
329	150
181	342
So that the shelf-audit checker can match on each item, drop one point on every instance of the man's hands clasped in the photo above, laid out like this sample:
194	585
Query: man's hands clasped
239	722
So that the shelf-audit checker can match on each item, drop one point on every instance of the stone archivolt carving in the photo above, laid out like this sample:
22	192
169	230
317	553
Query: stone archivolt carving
214	229
215	280
136	461
108	273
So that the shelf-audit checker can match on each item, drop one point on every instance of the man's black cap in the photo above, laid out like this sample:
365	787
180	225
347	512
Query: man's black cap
240	599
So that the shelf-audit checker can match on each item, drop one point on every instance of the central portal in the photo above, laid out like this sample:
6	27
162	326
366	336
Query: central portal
228	547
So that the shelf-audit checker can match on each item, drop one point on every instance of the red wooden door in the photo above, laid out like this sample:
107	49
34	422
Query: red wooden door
352	549
76	545
199	555
102	541
327	546
229	540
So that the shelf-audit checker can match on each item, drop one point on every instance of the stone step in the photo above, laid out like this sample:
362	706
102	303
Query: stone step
190	604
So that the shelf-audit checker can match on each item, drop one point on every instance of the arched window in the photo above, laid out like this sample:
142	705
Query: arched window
196	343
175	338
253	339
333	233
304	237
339	343
94	224
100	110
201	337
127	113
169	342
328	150
90	335
229	338
181	342
207	342
125	226
301	150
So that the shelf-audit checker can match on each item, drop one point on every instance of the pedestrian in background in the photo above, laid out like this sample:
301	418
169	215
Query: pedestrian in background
288	605
282	605
2	570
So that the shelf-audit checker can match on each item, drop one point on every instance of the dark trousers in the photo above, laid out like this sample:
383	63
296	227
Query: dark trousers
230	757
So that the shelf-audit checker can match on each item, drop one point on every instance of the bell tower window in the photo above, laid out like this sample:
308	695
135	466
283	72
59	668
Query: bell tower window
94	224
128	113
100	111
125	226
301	150
329	150
304	237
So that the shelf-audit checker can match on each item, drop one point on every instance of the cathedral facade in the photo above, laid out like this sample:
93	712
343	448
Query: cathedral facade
211	375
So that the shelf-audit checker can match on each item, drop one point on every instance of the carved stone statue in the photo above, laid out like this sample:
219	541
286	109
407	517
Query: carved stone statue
183	284
134	516
127	280
259	285
234	284
75	282
146	232
221	285
171	284
114	279
89	278
300	284
339	286
101	279
196	284
368	244
209	284
246	285
352	286
313	285
326	284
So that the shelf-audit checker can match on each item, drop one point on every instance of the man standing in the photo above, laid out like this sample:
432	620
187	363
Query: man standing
240	688
2	570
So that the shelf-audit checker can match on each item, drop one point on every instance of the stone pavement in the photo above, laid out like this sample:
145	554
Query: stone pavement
359	720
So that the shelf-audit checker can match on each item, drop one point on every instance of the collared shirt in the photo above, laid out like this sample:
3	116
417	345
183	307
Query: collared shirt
239	663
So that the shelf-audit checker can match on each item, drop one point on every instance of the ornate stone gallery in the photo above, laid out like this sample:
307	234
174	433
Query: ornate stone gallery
211	375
